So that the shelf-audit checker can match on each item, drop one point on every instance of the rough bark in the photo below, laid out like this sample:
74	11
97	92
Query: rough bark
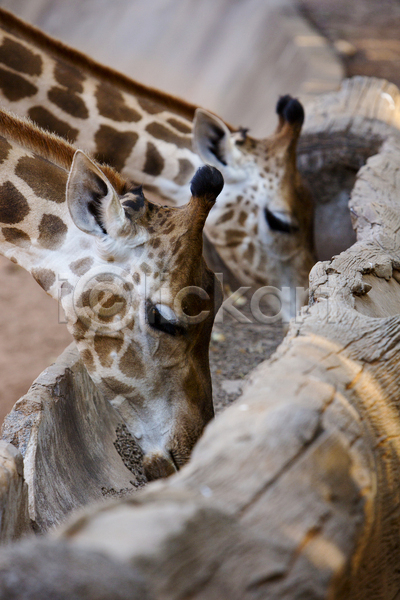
66	432
14	518
340	133
293	492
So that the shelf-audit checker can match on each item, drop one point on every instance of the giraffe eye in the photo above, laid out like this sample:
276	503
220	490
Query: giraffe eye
163	319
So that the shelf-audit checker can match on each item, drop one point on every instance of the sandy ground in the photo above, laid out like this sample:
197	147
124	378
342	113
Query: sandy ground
31	334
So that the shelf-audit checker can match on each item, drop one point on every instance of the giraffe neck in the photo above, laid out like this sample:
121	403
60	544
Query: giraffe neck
260	220
142	132
36	230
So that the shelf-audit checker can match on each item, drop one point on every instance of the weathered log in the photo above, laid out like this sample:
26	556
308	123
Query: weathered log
340	133
293	492
68	433
35	570
14	518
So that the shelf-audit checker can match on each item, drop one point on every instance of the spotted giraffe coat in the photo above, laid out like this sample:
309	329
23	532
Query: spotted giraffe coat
138	297
260	229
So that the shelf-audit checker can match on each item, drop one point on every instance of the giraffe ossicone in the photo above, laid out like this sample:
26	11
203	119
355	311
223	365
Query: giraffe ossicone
118	262
261	227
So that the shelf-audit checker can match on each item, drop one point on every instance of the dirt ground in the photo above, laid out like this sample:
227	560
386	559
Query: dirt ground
366	34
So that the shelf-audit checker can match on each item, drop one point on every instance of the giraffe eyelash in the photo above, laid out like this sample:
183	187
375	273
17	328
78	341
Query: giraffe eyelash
157	321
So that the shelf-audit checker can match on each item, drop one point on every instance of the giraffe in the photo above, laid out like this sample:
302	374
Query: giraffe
260	229
138	297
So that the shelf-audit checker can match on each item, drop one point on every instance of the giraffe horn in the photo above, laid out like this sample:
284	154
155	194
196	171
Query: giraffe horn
290	112
207	184
293	112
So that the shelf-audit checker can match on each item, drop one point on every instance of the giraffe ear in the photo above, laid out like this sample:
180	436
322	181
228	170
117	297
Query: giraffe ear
212	140
92	201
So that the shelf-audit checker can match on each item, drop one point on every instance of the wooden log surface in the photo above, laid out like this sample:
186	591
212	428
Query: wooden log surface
67	433
292	492
14	517
340	133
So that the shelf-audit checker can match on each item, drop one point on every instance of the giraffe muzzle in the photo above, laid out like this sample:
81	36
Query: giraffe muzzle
158	465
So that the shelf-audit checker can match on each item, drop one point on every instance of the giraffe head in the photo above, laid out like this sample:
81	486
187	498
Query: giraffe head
261	226
137	294
142	315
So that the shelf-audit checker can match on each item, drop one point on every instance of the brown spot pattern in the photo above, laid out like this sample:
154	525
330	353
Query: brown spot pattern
66	288
114	147
45	119
105	277
81	266
111	306
20	58
249	253
84	299
13	205
131	363
186	170
242	217
154	163
87	358
69	77
103	346
118	387
225	217
16	236
155	242
160	132
145	268
15	87
44	277
68	102
80	330
52	232
151	107
234	237
179	125
5	148
47	180
111	104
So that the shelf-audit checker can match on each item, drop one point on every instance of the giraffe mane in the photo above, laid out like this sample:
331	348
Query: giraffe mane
49	146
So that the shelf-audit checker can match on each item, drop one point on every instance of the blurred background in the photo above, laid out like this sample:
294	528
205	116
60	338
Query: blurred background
234	57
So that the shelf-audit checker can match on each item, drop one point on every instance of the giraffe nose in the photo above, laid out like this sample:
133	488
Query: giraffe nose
157	465
281	221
